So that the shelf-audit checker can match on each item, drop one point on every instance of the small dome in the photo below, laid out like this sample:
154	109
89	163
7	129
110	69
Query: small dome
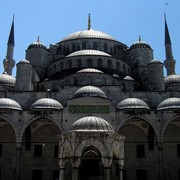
89	91
170	103
46	103
91	123
140	44
6	103
155	62
88	34
37	44
128	78
7	80
88	52
172	79
132	103
90	70
24	61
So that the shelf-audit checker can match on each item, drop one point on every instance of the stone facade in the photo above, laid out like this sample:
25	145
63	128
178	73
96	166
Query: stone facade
89	107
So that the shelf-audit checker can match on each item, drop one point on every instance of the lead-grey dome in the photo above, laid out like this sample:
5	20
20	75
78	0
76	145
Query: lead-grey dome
88	52
46	103
24	61
88	34
7	80
140	44
91	123
170	103
37	44
128	78
132	103
6	103
89	91
90	70
172	79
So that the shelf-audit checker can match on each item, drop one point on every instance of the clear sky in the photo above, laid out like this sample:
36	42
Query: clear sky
124	20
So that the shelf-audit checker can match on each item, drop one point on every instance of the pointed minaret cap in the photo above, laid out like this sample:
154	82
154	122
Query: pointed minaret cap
167	36
11	40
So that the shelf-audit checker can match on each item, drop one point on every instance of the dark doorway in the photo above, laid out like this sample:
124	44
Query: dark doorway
90	168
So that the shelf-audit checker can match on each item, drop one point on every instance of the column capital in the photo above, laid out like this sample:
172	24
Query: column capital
106	161
75	161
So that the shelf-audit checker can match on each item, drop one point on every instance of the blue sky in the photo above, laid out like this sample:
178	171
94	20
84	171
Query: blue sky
53	20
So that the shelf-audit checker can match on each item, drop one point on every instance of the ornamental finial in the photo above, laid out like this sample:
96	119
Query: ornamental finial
89	21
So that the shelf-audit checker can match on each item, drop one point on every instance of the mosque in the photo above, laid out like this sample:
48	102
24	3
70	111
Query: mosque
89	108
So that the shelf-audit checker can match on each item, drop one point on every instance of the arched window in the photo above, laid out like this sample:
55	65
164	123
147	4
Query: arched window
83	45
124	68
114	49
73	47
89	63
109	64
79	63
62	65
67	49
128	71
54	67
99	63
95	45
105	47
69	64
118	67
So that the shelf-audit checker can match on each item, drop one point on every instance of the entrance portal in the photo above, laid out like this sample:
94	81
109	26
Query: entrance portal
90	168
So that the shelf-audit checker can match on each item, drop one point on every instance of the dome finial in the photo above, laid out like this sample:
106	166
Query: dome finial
139	38
89	21
38	39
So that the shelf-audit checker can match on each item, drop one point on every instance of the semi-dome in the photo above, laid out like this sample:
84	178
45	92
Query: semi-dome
90	70
37	44
172	79
7	80
89	91
170	103
91	123
46	103
88	52
90	33
132	103
6	103
140	44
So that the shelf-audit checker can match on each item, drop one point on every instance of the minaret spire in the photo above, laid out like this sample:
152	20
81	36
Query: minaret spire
11	34
89	21
169	62
9	62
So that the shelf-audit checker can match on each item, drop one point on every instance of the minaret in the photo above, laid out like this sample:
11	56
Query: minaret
9	62
169	62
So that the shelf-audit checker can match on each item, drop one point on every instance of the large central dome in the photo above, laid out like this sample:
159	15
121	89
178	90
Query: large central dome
90	33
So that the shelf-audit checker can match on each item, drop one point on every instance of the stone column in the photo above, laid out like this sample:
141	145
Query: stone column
18	160
75	173
160	158
62	164
106	163
106	173
75	161
120	165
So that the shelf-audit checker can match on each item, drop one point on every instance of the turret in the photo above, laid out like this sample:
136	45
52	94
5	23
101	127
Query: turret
37	54
155	76
24	76
141	54
9	62
169	62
